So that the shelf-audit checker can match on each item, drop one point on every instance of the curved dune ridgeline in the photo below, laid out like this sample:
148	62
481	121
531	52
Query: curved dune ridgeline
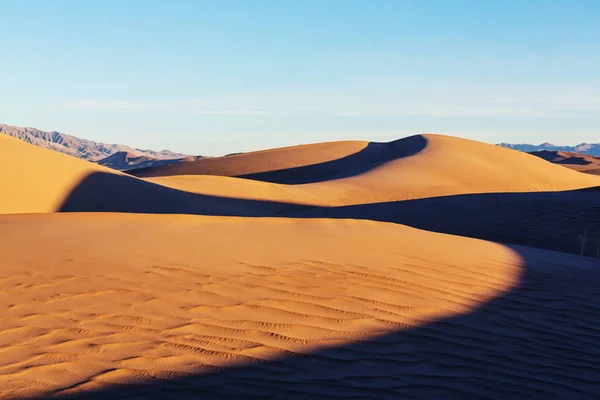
336	270
259	161
416	167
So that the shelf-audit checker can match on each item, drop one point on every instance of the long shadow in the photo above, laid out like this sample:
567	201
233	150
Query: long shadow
547	220
107	192
553	155
373	155
540	340
574	161
360	162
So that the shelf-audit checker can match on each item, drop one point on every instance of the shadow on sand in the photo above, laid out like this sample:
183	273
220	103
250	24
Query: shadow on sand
547	220
554	156
107	192
540	340
373	155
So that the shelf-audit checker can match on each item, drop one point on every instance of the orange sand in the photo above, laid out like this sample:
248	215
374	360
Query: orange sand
101	304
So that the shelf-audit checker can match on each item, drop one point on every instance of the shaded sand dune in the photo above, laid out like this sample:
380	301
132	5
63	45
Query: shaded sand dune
547	220
105	192
550	220
579	162
143	306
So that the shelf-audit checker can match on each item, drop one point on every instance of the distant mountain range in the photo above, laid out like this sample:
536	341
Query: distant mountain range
583	148
123	160
116	156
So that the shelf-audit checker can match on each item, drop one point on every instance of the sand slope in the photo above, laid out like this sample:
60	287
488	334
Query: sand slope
380	309
548	220
37	180
33	179
450	166
259	161
411	168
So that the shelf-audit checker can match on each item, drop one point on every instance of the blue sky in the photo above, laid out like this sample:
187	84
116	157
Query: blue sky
214	77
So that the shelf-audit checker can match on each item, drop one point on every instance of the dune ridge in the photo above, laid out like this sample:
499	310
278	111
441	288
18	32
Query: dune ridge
416	167
258	161
411	168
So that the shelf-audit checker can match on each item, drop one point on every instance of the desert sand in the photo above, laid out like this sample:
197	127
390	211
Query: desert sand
294	273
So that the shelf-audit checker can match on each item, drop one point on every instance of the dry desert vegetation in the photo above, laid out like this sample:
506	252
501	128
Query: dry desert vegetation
429	267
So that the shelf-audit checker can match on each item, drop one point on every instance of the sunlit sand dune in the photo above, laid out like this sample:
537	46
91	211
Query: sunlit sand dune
39	180
415	167
172	306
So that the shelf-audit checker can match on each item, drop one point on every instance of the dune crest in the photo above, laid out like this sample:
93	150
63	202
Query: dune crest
34	179
411	168
259	161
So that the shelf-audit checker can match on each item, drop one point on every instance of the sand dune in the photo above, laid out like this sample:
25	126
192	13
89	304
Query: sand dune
326	302
33	179
224	186
259	161
450	166
411	168
37	180
163	304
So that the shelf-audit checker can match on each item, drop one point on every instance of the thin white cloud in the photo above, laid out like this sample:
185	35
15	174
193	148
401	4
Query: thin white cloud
193	105
406	99
232	112
92	104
